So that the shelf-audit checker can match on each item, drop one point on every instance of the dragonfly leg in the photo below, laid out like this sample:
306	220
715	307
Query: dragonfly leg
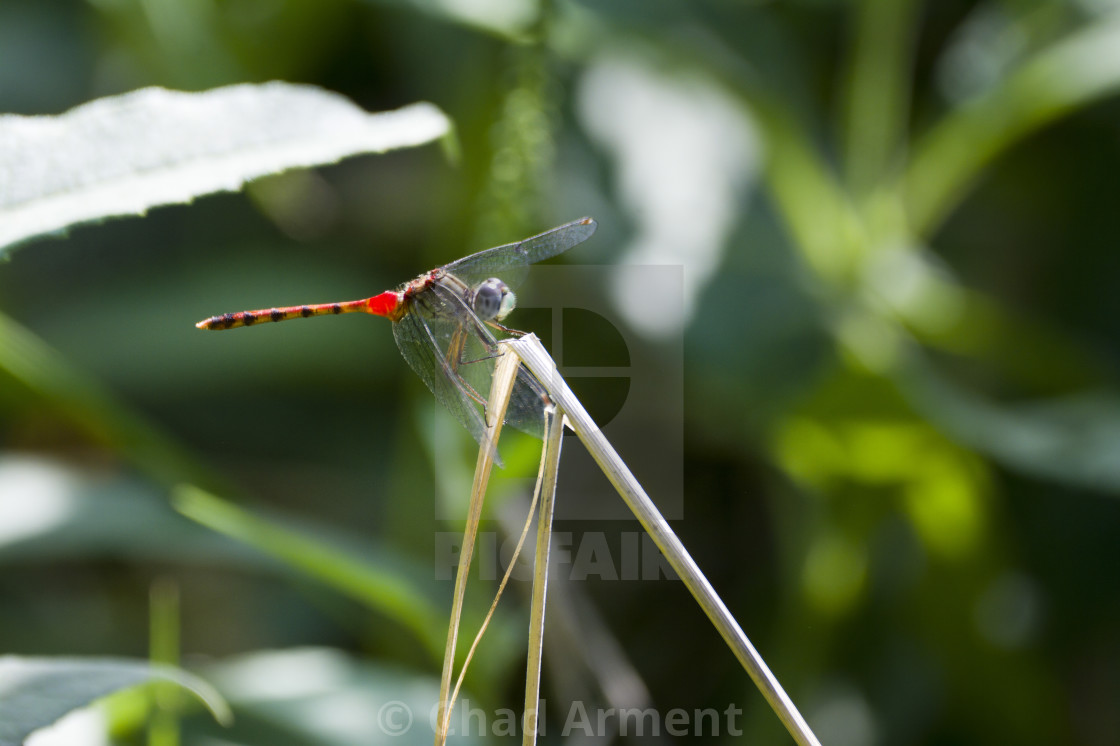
472	393
494	350
484	337
478	397
482	359
456	351
507	330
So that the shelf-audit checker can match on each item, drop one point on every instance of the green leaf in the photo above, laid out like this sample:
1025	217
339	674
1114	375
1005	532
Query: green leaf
379	580
509	19
1052	83
31	364
53	511
35	692
125	154
329	698
1073	439
380	587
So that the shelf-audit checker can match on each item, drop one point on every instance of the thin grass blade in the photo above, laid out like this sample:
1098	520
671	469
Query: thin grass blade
542	483
546	488
541	364
505	375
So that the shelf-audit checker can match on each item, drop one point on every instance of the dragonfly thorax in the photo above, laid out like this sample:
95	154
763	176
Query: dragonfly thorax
493	300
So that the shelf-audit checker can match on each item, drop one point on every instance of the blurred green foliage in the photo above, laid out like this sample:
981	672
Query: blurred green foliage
901	423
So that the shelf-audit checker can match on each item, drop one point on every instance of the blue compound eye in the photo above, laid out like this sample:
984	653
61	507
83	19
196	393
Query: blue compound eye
493	300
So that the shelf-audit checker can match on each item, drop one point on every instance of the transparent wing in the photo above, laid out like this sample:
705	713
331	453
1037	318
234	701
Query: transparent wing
527	405
421	347
454	354
511	262
468	345
471	353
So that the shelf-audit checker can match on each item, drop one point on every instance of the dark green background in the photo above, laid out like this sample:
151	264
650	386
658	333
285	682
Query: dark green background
922	546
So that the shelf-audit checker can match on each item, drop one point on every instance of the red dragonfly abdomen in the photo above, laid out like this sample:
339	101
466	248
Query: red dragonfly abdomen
388	304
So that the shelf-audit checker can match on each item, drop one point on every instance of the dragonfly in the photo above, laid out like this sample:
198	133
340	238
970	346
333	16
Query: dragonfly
444	324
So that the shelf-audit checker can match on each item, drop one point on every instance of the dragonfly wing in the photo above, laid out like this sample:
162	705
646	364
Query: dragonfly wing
471	353
527	404
465	350
468	344
511	262
421	348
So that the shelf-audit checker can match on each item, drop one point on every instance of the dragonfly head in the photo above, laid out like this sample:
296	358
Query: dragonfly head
493	300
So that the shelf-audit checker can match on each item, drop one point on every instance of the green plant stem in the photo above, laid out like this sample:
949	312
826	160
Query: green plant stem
878	89
163	647
824	225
